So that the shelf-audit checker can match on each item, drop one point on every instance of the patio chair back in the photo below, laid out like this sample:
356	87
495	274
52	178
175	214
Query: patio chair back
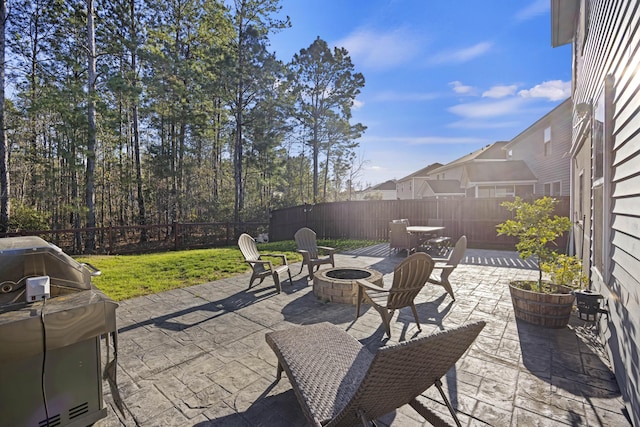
399	373
458	251
450	264
248	247
306	240
408	279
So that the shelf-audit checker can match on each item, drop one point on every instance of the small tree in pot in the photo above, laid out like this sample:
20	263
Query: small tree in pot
535	229
539	302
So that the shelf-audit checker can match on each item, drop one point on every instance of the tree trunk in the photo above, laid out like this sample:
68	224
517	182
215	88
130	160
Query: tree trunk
142	217
4	149
90	192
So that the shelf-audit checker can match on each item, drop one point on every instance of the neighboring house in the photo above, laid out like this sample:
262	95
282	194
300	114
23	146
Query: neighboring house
384	191
442	189
544	147
454	169
410	186
606	169
487	173
497	178
535	162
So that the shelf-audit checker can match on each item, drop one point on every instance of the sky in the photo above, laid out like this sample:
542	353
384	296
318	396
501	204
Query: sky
442	78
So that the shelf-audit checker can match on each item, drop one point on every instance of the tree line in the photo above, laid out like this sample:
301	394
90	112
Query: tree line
130	112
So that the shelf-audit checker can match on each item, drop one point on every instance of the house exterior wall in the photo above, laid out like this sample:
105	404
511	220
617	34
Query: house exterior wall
551	166
411	188
405	189
377	195
606	71
454	172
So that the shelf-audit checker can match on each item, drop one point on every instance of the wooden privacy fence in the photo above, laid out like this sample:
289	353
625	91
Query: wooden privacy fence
160	237
369	219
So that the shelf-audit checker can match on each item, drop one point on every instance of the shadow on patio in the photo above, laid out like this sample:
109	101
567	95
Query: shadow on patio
198	356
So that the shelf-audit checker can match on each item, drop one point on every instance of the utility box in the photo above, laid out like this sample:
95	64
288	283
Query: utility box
50	349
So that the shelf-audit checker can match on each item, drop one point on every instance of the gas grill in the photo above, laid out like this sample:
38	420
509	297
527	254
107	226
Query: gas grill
50	360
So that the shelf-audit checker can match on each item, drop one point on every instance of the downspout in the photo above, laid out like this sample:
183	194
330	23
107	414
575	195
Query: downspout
571	248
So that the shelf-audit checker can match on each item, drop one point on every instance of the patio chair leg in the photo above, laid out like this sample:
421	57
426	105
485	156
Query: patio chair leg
386	320
279	372
415	315
438	385
276	281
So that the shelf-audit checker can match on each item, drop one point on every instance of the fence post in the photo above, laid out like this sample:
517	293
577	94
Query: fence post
176	235
110	237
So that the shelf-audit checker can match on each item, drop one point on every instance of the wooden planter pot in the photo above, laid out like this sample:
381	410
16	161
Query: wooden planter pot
548	310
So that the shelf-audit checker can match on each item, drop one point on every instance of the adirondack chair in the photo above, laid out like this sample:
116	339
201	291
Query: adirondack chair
307	245
262	268
409	277
446	267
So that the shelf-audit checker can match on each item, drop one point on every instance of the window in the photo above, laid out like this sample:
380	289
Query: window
547	141
552	189
581	195
496	191
509	154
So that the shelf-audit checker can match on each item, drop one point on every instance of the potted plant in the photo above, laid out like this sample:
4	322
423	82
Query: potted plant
539	301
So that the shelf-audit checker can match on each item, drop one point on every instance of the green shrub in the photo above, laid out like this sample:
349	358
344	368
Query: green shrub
26	218
565	270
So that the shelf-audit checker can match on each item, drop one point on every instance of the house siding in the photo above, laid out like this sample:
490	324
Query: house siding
610	57
529	147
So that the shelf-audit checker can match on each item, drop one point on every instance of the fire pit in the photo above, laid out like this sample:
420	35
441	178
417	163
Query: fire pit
339	284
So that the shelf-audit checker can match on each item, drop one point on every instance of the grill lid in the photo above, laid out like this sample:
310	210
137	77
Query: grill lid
31	256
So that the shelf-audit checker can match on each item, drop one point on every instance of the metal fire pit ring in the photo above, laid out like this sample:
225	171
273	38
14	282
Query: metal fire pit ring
339	284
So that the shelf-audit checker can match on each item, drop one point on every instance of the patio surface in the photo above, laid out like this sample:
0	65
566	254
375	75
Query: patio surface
197	356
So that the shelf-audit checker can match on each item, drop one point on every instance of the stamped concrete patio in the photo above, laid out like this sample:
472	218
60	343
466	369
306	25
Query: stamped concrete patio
197	356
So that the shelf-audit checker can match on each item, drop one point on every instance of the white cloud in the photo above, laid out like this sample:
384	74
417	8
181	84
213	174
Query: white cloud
536	8
481	124
484	109
500	91
552	90
357	104
422	140
461	89
377	49
462	55
387	96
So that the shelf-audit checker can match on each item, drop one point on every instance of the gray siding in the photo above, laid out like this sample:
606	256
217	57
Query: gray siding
529	146
611	49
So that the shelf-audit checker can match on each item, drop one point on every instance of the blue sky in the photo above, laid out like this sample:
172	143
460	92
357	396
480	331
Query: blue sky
442	78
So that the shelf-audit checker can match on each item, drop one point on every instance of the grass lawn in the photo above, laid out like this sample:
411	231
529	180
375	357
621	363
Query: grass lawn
128	276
